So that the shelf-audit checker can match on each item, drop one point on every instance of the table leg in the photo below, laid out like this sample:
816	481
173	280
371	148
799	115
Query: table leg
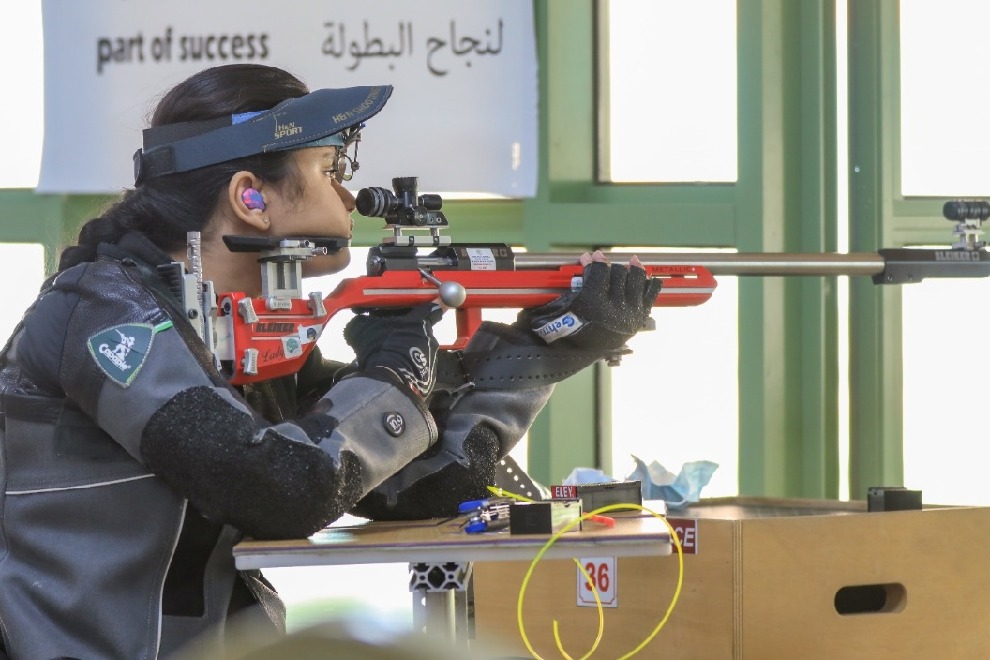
443	600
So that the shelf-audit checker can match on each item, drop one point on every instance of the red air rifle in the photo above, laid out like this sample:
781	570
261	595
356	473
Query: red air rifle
269	336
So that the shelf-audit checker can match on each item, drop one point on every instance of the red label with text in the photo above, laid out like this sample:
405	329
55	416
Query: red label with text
563	492
687	532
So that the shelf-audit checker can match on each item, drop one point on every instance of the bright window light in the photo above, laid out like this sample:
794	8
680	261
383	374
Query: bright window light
945	135
21	78
671	91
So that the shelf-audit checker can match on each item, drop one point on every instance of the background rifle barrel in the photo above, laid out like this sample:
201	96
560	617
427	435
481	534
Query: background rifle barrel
732	263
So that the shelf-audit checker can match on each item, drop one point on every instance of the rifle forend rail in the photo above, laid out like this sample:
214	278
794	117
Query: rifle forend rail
887	266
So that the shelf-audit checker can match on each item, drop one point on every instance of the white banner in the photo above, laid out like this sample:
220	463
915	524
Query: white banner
462	118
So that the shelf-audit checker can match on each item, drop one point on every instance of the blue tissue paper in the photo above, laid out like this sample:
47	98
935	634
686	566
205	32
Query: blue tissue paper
659	483
583	475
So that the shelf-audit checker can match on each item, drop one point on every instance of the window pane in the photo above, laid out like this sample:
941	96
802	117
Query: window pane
371	600
22	78
23	263
675	399
945	135
671	91
944	324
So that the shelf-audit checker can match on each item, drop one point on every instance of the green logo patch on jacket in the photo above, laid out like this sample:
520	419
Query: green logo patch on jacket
120	351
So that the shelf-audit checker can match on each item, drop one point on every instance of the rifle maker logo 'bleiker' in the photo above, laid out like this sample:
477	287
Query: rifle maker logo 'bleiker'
120	351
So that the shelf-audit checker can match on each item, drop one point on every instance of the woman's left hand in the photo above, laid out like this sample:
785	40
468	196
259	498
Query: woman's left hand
613	304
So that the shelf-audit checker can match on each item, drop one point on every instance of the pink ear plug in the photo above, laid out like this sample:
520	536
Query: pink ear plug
253	199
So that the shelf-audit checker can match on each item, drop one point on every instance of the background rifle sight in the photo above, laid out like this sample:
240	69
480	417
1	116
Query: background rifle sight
404	207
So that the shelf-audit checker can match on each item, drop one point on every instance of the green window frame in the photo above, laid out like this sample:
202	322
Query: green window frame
784	201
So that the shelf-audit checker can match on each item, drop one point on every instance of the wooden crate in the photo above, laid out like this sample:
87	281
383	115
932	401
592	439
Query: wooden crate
771	579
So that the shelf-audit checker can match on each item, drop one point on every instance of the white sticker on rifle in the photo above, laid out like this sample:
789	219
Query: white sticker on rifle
310	333
481	258
292	346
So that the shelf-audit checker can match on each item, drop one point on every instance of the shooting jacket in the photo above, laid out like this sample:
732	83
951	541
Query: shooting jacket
129	467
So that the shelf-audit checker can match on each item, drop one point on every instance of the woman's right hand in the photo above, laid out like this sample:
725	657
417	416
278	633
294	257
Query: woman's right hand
401	343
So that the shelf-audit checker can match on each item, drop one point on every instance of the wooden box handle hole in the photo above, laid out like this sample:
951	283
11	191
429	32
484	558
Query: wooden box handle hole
870	598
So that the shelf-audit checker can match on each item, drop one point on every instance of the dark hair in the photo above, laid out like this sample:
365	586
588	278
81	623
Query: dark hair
165	208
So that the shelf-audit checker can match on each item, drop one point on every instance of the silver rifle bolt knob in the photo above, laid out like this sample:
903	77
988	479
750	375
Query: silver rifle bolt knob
452	294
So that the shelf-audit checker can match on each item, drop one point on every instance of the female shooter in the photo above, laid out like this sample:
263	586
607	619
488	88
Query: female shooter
130	466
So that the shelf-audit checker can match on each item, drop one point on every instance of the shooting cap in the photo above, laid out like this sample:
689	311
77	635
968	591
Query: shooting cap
324	116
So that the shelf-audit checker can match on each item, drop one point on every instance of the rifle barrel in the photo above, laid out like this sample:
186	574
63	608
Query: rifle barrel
732	263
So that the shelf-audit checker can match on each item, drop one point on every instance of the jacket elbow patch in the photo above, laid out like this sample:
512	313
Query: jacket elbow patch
236	472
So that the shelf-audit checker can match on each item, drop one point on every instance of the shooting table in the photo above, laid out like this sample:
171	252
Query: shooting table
440	555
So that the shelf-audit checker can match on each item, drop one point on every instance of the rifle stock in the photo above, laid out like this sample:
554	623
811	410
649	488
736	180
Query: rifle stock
260	340
271	336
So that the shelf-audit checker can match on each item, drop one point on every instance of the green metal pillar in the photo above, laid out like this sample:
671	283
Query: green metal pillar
566	434
875	387
785	203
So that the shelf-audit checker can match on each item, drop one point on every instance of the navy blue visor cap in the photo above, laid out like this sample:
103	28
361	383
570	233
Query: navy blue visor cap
291	124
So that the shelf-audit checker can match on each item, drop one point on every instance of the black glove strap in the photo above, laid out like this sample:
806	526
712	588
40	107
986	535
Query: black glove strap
450	371
516	368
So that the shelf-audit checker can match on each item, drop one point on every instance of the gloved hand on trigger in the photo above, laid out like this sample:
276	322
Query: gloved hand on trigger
613	305
402	343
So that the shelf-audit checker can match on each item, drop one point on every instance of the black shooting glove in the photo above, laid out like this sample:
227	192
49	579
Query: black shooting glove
613	304
401	343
